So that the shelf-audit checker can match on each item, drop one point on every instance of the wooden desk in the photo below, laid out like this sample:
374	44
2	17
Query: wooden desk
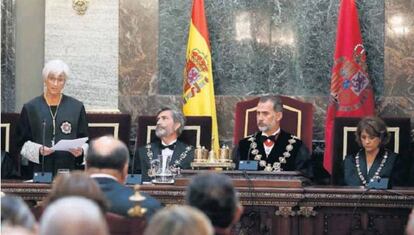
301	210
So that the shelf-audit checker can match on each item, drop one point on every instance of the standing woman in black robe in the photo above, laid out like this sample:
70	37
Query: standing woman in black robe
62	117
373	161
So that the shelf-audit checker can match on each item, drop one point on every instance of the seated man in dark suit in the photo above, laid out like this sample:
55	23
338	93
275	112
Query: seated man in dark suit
107	163
275	149
214	194
170	124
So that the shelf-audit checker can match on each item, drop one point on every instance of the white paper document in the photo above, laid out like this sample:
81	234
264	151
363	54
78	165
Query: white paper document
65	145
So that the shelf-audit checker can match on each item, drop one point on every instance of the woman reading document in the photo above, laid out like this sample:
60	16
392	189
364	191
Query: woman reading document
49	118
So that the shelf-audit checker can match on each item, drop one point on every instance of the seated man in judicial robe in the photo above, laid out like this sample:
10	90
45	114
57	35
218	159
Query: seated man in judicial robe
274	149
170	123
107	162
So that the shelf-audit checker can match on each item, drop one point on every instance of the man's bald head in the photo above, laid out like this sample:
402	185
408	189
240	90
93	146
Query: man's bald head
107	153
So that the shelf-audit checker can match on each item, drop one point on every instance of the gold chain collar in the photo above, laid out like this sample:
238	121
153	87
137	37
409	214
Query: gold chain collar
277	166
177	162
377	172
53	116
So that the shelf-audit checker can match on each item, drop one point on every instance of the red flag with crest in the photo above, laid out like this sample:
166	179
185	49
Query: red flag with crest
351	92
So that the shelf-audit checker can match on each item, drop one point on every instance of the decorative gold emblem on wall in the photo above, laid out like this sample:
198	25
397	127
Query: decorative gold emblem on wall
80	6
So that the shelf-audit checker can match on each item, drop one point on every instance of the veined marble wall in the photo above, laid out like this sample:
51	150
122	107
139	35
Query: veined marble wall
283	47
89	44
8	82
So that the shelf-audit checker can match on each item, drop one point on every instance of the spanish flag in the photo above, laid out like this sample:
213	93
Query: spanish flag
198	88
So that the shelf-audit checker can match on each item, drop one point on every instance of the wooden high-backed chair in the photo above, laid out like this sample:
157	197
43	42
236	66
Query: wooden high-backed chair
344	140
297	119
197	131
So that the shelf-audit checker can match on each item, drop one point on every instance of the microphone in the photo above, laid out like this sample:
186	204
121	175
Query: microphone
379	183
43	177
133	178
249	165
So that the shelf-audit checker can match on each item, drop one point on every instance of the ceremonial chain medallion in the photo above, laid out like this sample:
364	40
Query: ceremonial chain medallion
277	166
377	172
173	167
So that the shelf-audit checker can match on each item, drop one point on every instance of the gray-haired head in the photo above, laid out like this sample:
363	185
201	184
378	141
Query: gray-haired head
276	101
55	67
15	212
177	115
73	215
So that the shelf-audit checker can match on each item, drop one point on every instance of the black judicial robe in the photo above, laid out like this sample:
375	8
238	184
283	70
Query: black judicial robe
395	168
182	157
299	159
71	123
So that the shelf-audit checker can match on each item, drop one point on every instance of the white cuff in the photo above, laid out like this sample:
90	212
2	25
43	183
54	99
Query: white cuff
30	151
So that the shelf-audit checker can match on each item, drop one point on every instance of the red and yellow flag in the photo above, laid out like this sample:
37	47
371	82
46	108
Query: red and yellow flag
198	92
351	89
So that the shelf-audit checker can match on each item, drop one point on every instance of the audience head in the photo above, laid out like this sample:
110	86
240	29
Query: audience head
76	183
170	121
215	195
15	213
73	216
410	225
108	155
269	113
372	127
179	220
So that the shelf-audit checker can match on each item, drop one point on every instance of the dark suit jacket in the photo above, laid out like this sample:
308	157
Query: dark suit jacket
298	161
118	197
144	163
395	168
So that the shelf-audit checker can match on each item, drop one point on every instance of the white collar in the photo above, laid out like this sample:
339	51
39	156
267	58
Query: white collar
172	142
103	175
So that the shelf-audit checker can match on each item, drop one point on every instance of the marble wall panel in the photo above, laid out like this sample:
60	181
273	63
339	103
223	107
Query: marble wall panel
398	97
8	52
271	46
138	37
283	47
89	44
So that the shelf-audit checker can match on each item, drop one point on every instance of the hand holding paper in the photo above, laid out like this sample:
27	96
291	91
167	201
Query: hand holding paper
67	145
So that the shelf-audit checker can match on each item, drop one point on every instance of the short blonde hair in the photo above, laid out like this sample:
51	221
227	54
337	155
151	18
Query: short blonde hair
179	220
55	67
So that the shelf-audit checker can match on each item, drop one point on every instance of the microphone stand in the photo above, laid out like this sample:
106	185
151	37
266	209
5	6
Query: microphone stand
43	177
43	145
133	178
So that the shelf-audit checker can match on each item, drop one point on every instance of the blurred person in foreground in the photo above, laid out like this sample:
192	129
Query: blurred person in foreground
16	214
76	183
179	220
107	163
73	215
215	196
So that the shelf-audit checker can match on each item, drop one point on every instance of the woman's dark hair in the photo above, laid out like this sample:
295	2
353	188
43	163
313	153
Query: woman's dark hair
375	127
76	183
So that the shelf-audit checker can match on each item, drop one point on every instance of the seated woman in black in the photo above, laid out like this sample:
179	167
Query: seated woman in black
373	161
